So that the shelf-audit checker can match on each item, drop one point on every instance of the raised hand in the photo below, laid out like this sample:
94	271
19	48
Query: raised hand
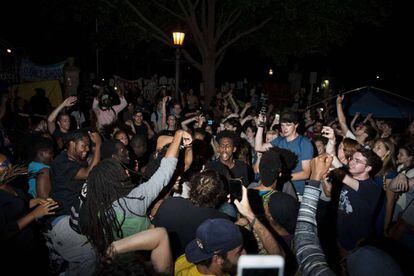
70	101
340	99
95	137
320	166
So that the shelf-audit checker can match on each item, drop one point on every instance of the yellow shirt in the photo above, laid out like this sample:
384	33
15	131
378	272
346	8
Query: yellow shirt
185	268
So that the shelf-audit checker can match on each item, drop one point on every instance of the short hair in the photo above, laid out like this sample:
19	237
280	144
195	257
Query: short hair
373	161
74	136
319	138
109	148
249	125
228	134
235	123
277	161
350	146
206	189
370	131
39	143
409	148
138	139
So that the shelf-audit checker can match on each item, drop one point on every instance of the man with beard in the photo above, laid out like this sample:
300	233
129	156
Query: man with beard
69	169
116	150
68	173
215	251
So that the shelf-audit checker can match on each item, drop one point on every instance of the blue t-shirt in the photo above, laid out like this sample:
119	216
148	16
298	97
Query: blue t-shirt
303	148
33	169
356	212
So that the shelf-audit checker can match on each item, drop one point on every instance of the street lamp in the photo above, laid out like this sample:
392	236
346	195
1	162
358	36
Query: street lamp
178	39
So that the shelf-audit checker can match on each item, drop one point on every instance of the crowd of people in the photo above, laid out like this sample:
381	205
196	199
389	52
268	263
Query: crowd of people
139	185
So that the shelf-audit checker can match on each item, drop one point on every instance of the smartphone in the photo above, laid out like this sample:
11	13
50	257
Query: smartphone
260	265
235	189
210	122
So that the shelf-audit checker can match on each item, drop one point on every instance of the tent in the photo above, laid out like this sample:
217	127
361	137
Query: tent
382	103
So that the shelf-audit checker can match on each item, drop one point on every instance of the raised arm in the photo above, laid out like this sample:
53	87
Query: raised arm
245	108
51	120
353	121
269	242
184	124
259	146
310	256
341	115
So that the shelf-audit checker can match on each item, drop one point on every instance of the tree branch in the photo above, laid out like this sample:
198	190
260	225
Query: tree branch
240	35
195	63
229	22
146	21
173	13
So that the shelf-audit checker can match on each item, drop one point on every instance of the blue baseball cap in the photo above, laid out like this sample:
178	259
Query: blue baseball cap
369	260
213	236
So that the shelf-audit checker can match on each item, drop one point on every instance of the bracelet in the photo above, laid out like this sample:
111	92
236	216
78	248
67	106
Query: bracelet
252	223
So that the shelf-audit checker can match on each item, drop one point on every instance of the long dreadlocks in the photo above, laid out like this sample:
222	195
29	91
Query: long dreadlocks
107	182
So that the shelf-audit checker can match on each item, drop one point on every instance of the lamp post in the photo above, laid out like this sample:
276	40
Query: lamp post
178	39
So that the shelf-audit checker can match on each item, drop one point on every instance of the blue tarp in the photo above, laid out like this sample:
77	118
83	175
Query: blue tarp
383	104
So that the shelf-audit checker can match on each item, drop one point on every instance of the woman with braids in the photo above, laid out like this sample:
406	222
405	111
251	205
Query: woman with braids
114	207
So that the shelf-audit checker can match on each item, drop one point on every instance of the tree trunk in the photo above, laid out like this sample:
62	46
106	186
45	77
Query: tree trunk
209	80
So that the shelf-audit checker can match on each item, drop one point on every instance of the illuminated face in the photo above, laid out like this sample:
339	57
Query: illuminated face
64	123
288	129
357	164
226	149
270	137
81	148
380	150
228	126
320	147
171	121
177	109
360	130
404	158
121	136
249	133
138	118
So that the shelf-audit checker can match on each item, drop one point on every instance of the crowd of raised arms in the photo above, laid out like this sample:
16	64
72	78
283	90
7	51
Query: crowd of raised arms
132	183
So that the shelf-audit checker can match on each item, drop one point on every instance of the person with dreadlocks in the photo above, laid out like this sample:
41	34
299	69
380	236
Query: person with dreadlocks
114	207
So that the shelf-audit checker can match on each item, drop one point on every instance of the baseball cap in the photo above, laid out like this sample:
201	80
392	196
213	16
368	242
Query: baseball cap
289	117
369	260
284	210
213	236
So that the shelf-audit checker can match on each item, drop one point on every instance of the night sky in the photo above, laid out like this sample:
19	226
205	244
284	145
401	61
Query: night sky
369	52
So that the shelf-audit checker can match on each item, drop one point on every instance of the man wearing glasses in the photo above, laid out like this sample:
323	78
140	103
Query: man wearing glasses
359	198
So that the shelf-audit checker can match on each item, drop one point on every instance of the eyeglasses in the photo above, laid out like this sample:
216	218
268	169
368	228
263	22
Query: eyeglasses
357	161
